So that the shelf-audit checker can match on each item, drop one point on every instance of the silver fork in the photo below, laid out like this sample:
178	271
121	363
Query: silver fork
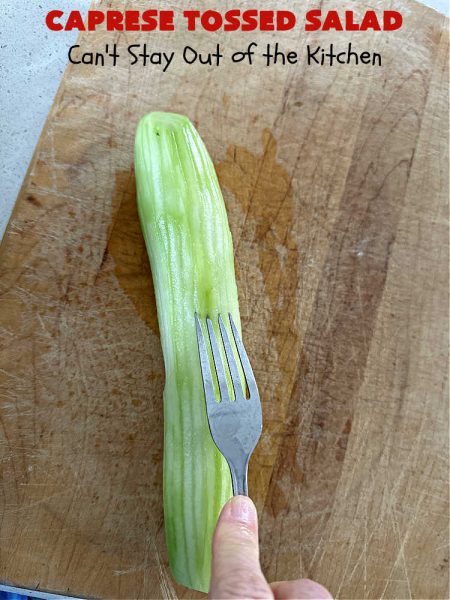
235	425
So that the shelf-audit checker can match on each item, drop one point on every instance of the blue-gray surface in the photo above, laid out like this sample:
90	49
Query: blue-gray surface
8	592
440	5
32	60
12	596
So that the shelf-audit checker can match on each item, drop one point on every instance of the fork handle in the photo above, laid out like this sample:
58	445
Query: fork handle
239	479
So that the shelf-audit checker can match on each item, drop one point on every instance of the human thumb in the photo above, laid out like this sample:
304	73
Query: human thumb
236	572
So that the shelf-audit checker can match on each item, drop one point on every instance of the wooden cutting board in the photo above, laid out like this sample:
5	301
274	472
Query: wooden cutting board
335	181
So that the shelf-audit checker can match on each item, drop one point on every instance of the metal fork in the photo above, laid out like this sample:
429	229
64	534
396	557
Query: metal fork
235	425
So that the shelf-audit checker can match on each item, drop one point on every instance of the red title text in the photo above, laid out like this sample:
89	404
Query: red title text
231	20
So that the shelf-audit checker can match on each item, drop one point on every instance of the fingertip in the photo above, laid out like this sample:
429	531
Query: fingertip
300	589
318	591
236	572
240	510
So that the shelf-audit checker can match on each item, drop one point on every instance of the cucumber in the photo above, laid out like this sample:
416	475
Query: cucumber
189	244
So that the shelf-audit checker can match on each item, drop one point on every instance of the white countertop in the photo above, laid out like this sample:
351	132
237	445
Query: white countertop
31	66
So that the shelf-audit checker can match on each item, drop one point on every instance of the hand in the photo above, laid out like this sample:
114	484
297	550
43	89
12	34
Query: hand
236	572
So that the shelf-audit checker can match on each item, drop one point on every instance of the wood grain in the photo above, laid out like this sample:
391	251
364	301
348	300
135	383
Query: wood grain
336	185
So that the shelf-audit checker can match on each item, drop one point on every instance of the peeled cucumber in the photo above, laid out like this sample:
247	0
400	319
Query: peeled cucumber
189	245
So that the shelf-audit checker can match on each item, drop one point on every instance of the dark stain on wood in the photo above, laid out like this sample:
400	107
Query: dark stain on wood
266	237
336	346
31	198
127	247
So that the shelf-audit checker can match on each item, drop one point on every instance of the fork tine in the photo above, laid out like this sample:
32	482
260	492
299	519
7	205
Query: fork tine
246	366
218	364
204	365
232	365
